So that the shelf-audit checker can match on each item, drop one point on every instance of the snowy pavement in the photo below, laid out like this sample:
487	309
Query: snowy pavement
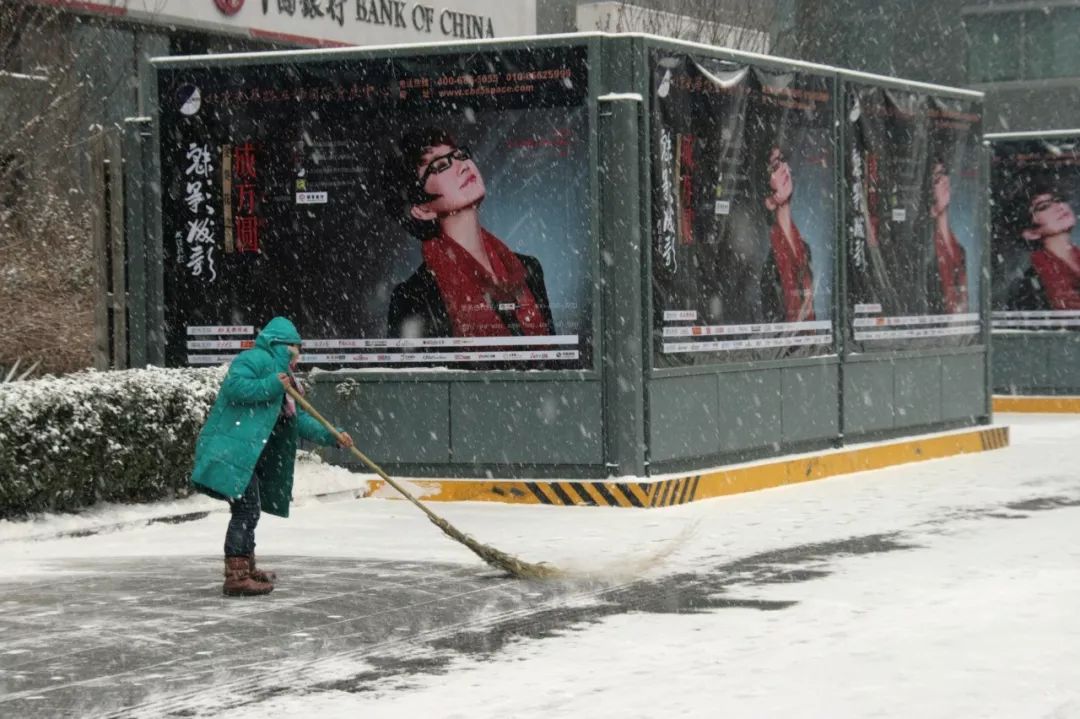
940	589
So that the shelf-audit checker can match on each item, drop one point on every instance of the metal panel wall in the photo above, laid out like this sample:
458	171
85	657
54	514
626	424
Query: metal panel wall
685	416
525	423
917	391
1036	363
868	397
963	387
751	410
460	427
736	413
887	395
395	422
811	402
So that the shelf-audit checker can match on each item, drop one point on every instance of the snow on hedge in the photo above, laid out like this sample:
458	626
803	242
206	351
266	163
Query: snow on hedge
123	436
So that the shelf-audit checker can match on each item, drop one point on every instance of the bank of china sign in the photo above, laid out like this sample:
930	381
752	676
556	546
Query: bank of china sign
337	22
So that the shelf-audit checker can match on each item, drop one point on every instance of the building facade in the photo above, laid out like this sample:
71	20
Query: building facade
1023	55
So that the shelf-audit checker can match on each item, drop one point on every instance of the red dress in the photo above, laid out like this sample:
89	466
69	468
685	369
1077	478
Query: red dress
1060	282
474	298
952	269
793	266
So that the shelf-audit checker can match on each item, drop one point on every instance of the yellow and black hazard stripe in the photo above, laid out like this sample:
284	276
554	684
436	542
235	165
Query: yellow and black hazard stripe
592	494
665	493
669	492
995	438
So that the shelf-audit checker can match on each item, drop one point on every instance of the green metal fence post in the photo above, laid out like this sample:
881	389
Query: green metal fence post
621	278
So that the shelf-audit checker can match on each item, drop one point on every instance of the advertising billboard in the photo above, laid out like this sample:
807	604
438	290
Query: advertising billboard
429	210
1035	248
743	211
914	259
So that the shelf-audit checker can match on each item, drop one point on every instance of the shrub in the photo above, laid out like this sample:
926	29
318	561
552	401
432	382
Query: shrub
122	436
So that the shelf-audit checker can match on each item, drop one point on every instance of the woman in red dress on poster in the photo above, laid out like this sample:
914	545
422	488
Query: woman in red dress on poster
1056	260
787	280
950	258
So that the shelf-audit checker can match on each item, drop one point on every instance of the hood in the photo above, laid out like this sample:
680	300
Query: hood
277	333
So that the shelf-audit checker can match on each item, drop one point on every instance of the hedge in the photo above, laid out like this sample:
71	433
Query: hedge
120	436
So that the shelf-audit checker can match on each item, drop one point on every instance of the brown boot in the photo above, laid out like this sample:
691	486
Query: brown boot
238	579
261	575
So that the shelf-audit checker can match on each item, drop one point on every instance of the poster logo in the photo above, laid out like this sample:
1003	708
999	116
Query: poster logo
229	7
190	99
312	198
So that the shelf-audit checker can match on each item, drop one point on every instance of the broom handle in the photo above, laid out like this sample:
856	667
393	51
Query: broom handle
360	455
492	556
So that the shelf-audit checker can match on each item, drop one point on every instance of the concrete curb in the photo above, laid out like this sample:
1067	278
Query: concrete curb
1037	403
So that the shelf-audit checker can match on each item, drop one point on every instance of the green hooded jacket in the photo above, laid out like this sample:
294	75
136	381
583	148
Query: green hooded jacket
243	428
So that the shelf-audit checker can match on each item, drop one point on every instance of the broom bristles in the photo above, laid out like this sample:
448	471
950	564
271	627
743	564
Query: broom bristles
497	558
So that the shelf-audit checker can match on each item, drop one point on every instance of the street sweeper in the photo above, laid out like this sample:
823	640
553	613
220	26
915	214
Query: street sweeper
247	449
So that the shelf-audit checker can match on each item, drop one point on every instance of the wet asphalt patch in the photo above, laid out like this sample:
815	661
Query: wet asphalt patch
693	593
1041	504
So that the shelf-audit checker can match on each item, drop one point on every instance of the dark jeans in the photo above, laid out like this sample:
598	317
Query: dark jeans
240	536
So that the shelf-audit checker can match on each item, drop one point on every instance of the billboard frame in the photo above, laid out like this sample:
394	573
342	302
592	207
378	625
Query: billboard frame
642	84
592	42
1025	356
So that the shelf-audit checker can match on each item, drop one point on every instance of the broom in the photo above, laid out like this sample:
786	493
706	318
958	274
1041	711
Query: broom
494	557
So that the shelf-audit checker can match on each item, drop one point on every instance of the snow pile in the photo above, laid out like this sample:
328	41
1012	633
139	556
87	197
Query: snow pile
119	436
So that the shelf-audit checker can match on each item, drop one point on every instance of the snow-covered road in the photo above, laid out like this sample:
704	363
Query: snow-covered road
940	589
